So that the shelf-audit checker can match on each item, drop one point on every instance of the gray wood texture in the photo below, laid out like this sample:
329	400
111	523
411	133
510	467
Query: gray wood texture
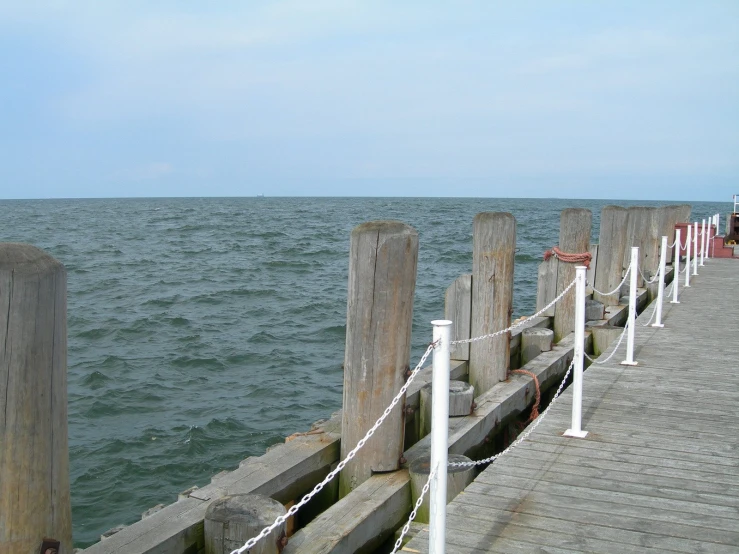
458	477
534	341
359	522
594	310
611	248
603	336
575	226
458	310
641	232
493	253
232	520
34	458
546	285
461	396
659	469
382	280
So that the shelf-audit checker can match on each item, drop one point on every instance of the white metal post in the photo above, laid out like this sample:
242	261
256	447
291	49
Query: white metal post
439	436
687	257
695	248
576	429
704	241
676	269
661	289
632	307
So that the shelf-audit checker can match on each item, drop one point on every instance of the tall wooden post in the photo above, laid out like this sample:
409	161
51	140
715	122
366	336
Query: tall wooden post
493	253
457	309
638	224
575	226
611	248
382	281
34	458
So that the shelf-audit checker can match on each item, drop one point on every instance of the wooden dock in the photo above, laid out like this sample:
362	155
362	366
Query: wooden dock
659	469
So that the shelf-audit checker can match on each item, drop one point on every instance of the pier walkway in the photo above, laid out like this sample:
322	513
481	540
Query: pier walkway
659	469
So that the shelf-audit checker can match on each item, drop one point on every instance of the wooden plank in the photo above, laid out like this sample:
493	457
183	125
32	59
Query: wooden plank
523	523
493	255
359	522
565	537
458	309
575	225
382	280
505	485
34	459
546	289
617	481
681	483
611	248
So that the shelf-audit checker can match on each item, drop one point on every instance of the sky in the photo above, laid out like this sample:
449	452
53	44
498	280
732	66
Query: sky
569	99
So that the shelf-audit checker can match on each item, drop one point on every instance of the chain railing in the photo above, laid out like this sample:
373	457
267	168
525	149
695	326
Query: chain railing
518	323
615	348
618	287
294	509
531	428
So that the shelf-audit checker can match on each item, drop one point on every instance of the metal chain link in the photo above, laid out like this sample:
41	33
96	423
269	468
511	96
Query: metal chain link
294	509
407	526
618	287
517	324
528	432
620	338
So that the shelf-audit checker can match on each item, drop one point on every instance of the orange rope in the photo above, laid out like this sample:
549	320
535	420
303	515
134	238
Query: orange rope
537	399
583	257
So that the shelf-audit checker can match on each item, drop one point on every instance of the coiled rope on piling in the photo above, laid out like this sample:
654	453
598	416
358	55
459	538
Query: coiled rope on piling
568	257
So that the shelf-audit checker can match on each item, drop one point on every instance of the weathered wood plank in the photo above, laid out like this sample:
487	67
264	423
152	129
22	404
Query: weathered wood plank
382	281
493	254
34	460
359	522
546	289
574	237
524	522
611	248
458	310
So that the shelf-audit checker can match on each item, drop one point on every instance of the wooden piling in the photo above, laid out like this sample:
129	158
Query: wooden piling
382	278
232	520
611	248
534	341
574	237
458	310
493	251
546	286
458	477
34	459
639	233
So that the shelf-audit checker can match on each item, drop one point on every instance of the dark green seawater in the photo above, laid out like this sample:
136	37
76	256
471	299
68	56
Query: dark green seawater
203	330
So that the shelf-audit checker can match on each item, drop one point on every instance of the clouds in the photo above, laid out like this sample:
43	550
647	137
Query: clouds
329	90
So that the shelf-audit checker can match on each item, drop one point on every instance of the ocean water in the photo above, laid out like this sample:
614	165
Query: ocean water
203	330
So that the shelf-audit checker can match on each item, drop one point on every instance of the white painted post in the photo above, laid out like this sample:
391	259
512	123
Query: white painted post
695	248
704	242
439	436
632	307
661	289
676	268
687	258
576	429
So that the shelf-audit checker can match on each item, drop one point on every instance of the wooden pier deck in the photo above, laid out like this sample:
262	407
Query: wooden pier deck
659	469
